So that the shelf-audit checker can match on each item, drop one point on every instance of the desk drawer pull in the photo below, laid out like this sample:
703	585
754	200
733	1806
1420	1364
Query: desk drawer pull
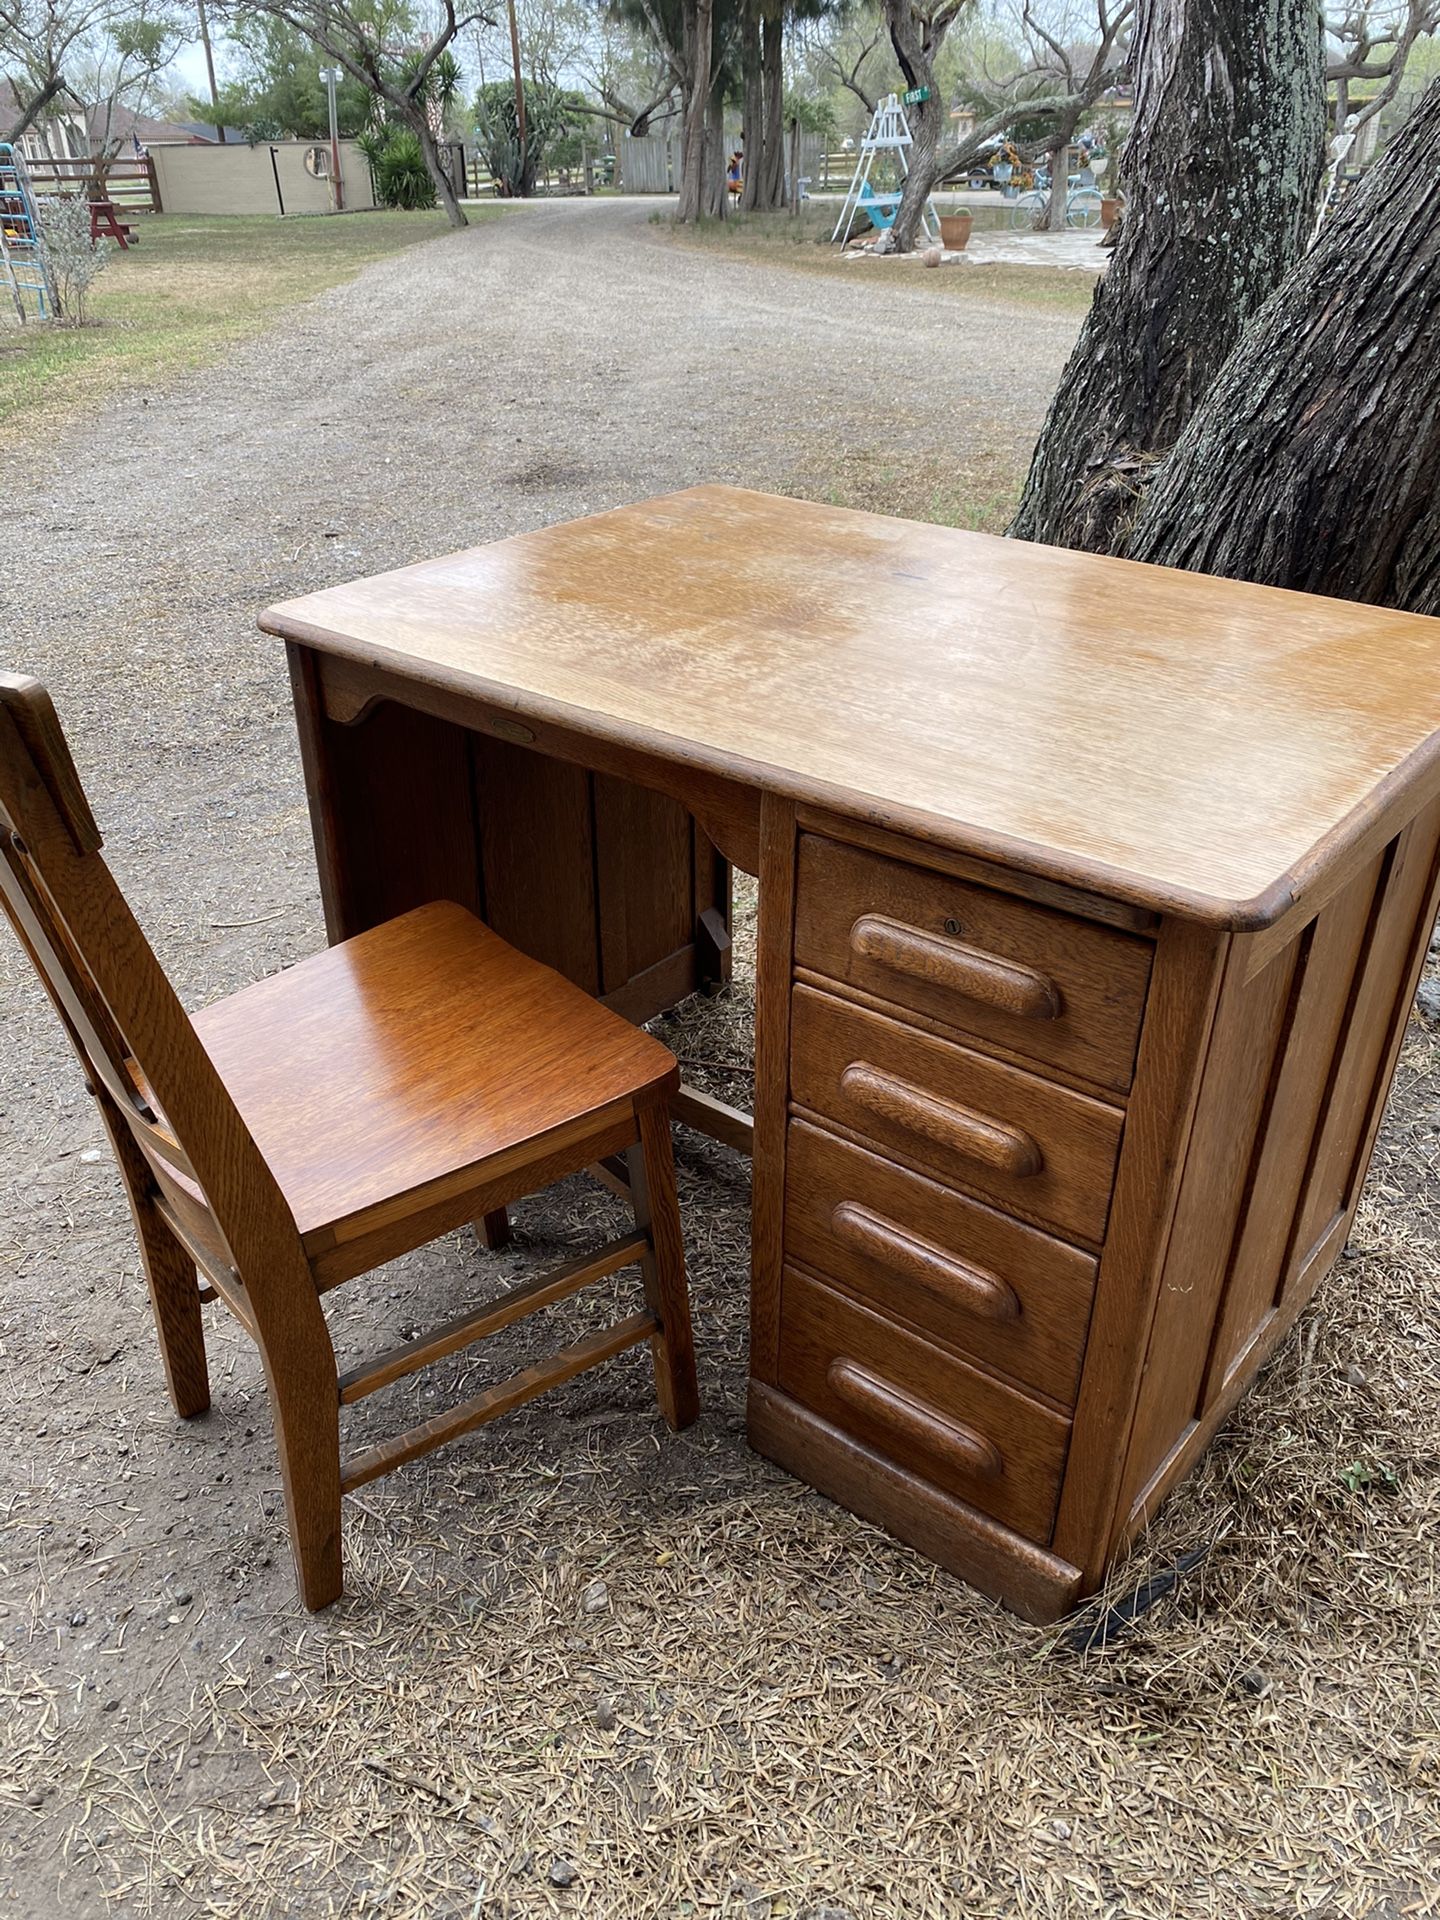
952	965
923	1426
941	1274
974	1136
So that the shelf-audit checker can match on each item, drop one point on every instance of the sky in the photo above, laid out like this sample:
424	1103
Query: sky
188	67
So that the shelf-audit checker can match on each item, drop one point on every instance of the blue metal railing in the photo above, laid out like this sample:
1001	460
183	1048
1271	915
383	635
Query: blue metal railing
25	272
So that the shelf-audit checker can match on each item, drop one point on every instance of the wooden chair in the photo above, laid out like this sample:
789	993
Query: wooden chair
331	1118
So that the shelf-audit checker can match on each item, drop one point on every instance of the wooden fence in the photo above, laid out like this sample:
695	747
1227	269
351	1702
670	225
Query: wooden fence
129	183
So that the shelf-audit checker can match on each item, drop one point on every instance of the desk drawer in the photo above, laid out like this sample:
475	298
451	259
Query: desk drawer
1041	983
989	1445
1038	1150
1007	1294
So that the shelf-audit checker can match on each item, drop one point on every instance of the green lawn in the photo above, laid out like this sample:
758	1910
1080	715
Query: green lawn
189	289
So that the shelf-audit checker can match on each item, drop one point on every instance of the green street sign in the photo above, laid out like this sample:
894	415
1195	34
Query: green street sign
916	95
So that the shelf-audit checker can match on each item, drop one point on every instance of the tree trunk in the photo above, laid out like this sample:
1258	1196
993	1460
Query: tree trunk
771	190
37	104
1059	158
752	111
713	191
434	166
917	43
699	19
1314	462
1224	160
924	158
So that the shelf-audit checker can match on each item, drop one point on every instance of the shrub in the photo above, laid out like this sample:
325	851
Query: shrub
397	167
75	258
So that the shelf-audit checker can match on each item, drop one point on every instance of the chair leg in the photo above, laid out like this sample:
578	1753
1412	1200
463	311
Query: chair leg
305	1403
170	1272
494	1229
179	1320
657	1215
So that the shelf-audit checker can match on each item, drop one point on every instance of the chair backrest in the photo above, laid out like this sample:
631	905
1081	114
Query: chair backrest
121	1013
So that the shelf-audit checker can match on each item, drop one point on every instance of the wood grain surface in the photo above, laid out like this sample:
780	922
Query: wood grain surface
422	1002
1040	1151
1194	744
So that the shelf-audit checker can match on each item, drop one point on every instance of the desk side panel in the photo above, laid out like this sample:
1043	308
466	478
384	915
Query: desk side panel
1303	1057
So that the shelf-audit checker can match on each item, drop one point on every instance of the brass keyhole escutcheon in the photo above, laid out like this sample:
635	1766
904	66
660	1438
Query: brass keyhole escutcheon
952	925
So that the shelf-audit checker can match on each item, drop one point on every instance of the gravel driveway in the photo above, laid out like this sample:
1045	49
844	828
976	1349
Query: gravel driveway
566	358
563	359
585	1667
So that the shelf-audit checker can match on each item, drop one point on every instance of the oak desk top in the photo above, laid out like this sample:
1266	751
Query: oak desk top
1193	744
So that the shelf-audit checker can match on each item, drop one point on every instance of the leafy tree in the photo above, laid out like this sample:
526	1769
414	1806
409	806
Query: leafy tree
274	89
696	43
1372	43
555	119
91	52
384	47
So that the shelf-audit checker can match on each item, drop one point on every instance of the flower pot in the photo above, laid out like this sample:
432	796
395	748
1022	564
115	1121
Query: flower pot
1110	205
955	230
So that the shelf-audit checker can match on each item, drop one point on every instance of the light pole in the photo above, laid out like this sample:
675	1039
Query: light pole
331	77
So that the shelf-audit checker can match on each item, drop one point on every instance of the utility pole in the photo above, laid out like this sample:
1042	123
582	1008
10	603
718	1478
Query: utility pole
519	88
331	77
210	67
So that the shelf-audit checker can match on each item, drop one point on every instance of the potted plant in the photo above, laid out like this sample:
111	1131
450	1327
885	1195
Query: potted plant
955	229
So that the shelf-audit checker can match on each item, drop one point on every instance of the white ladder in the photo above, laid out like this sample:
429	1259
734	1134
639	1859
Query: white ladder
889	133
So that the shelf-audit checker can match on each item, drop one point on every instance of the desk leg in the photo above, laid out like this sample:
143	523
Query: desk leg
773	967
390	808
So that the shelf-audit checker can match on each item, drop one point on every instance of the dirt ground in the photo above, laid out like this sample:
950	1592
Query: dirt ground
584	1666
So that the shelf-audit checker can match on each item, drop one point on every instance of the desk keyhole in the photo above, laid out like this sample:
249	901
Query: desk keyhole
952	925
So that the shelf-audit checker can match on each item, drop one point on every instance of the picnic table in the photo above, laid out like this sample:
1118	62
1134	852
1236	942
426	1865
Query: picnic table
106	224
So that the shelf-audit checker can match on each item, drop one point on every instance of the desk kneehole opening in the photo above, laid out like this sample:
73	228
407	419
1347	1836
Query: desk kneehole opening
974	1136
902	1413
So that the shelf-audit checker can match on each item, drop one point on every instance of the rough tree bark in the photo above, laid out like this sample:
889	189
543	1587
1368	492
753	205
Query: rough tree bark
713	191
34	107
1224	161
1314	462
699	25
917	38
771	190
752	111
436	168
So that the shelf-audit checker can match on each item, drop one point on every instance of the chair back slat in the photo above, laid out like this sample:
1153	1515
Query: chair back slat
36	721
117	1006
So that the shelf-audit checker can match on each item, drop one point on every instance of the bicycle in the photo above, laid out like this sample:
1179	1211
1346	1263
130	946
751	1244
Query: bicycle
1082	209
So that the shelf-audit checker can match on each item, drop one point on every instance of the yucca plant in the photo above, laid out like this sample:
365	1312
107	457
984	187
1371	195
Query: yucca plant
397	167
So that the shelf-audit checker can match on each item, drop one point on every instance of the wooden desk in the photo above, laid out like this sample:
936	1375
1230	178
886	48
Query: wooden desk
1092	903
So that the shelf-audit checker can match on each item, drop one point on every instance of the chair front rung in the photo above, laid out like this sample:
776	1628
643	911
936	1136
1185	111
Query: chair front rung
546	1288
371	1462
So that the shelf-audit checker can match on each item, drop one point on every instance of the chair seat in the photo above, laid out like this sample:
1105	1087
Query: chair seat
388	1067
